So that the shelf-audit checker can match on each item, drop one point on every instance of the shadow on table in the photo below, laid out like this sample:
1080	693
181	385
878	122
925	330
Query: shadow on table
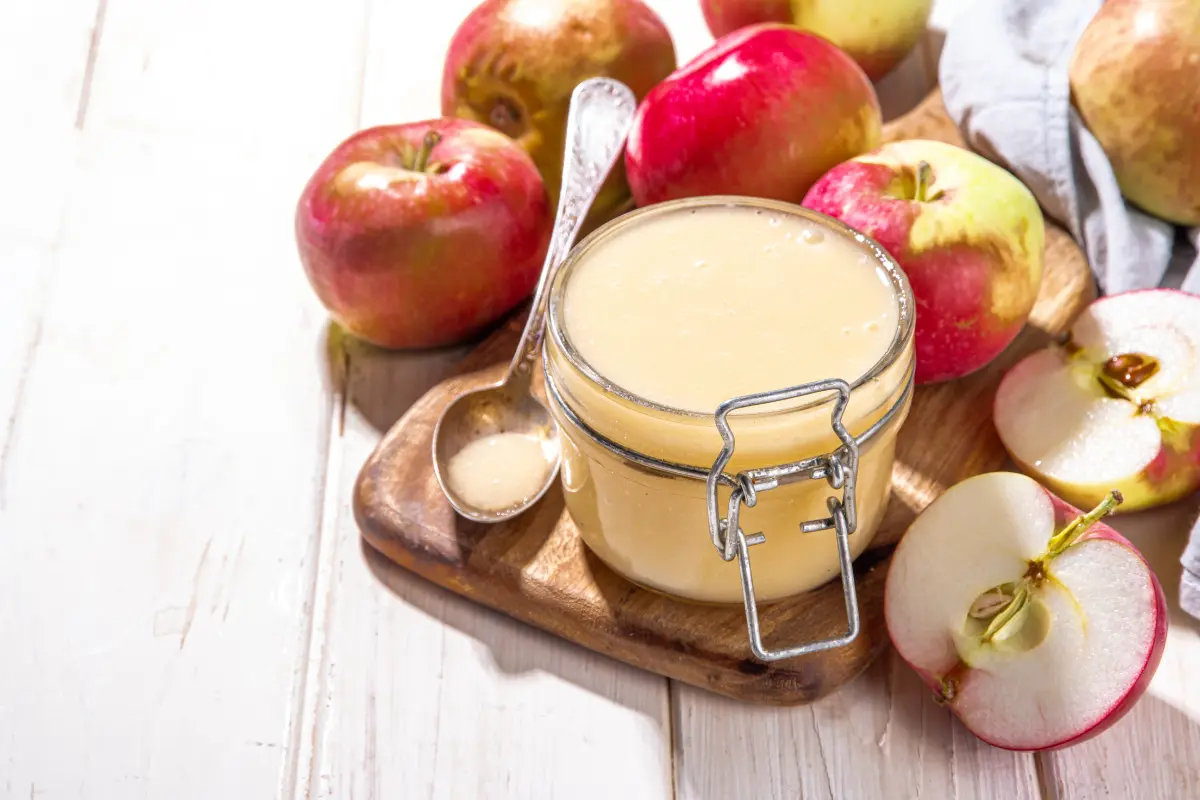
380	385
516	648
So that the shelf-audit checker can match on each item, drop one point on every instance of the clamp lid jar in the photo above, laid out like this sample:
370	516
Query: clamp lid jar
722	348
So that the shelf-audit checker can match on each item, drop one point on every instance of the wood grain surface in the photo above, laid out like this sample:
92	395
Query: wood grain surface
536	569
189	608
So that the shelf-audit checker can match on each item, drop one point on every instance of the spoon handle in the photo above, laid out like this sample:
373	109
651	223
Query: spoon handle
599	117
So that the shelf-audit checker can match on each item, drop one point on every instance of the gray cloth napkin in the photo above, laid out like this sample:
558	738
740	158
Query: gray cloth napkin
1004	78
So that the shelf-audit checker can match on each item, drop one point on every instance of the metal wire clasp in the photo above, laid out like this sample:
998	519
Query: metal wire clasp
839	468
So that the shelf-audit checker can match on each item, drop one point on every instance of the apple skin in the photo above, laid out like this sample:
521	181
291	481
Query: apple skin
1172	475
1064	513
877	34
1135	79
726	16
408	258
763	112
513	64
973	256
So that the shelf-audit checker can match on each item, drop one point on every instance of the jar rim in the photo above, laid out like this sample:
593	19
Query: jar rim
558	329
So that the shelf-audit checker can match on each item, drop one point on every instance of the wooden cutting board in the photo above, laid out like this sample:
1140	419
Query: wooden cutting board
536	569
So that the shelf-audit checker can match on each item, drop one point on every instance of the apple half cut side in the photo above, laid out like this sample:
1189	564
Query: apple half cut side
1038	626
1115	405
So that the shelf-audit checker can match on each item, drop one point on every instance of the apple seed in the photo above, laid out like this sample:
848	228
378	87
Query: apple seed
989	604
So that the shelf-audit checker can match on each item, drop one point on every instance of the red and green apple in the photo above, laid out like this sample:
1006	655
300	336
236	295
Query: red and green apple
877	34
513	64
1135	78
968	234
423	234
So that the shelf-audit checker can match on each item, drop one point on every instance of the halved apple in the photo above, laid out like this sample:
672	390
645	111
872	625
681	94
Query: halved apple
1037	625
1115	405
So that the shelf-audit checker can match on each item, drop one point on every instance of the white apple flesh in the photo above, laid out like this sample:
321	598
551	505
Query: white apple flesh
1114	406
1038	626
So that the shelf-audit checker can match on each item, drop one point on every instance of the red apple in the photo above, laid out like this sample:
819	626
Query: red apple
967	233
513	64
876	33
763	112
1135	78
423	234
1038	626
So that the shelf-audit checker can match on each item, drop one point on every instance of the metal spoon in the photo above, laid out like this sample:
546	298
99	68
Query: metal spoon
599	117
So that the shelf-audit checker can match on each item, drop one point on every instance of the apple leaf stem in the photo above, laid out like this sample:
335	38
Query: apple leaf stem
924	178
1079	526
1005	604
427	144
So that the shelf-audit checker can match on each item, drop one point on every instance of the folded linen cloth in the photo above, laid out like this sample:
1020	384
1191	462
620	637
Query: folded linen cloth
1004	78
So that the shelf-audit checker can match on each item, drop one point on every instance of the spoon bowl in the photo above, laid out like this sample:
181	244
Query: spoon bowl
600	116
505	407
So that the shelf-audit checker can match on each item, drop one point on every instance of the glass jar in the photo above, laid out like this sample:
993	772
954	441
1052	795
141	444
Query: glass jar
635	472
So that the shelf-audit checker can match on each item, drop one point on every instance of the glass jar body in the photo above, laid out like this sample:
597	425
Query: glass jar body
632	471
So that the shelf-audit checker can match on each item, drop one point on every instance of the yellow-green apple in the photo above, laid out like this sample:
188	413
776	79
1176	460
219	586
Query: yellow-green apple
1116	404
423	234
513	64
1135	78
877	34
1038	626
763	112
968	234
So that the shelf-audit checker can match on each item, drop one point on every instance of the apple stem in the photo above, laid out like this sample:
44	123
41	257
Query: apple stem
924	178
427	144
1079	526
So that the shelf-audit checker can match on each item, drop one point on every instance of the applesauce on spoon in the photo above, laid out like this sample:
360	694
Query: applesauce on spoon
663	315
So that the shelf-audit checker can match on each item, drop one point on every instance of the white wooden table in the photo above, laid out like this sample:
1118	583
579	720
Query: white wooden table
187	610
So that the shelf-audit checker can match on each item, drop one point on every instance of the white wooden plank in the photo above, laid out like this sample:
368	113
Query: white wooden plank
24	272
879	736
45	52
1154	752
161	488
285	74
414	692
423	694
45	57
162	481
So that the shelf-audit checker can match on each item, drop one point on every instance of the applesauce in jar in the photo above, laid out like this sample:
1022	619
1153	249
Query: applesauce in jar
662	315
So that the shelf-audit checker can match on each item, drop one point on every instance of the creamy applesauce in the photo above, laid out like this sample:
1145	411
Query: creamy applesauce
662	315
498	471
706	305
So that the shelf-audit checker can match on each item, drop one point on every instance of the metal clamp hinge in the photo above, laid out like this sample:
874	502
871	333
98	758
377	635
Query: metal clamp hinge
839	468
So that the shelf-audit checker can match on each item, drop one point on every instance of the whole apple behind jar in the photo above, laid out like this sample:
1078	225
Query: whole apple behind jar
966	232
763	112
512	64
423	234
877	34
